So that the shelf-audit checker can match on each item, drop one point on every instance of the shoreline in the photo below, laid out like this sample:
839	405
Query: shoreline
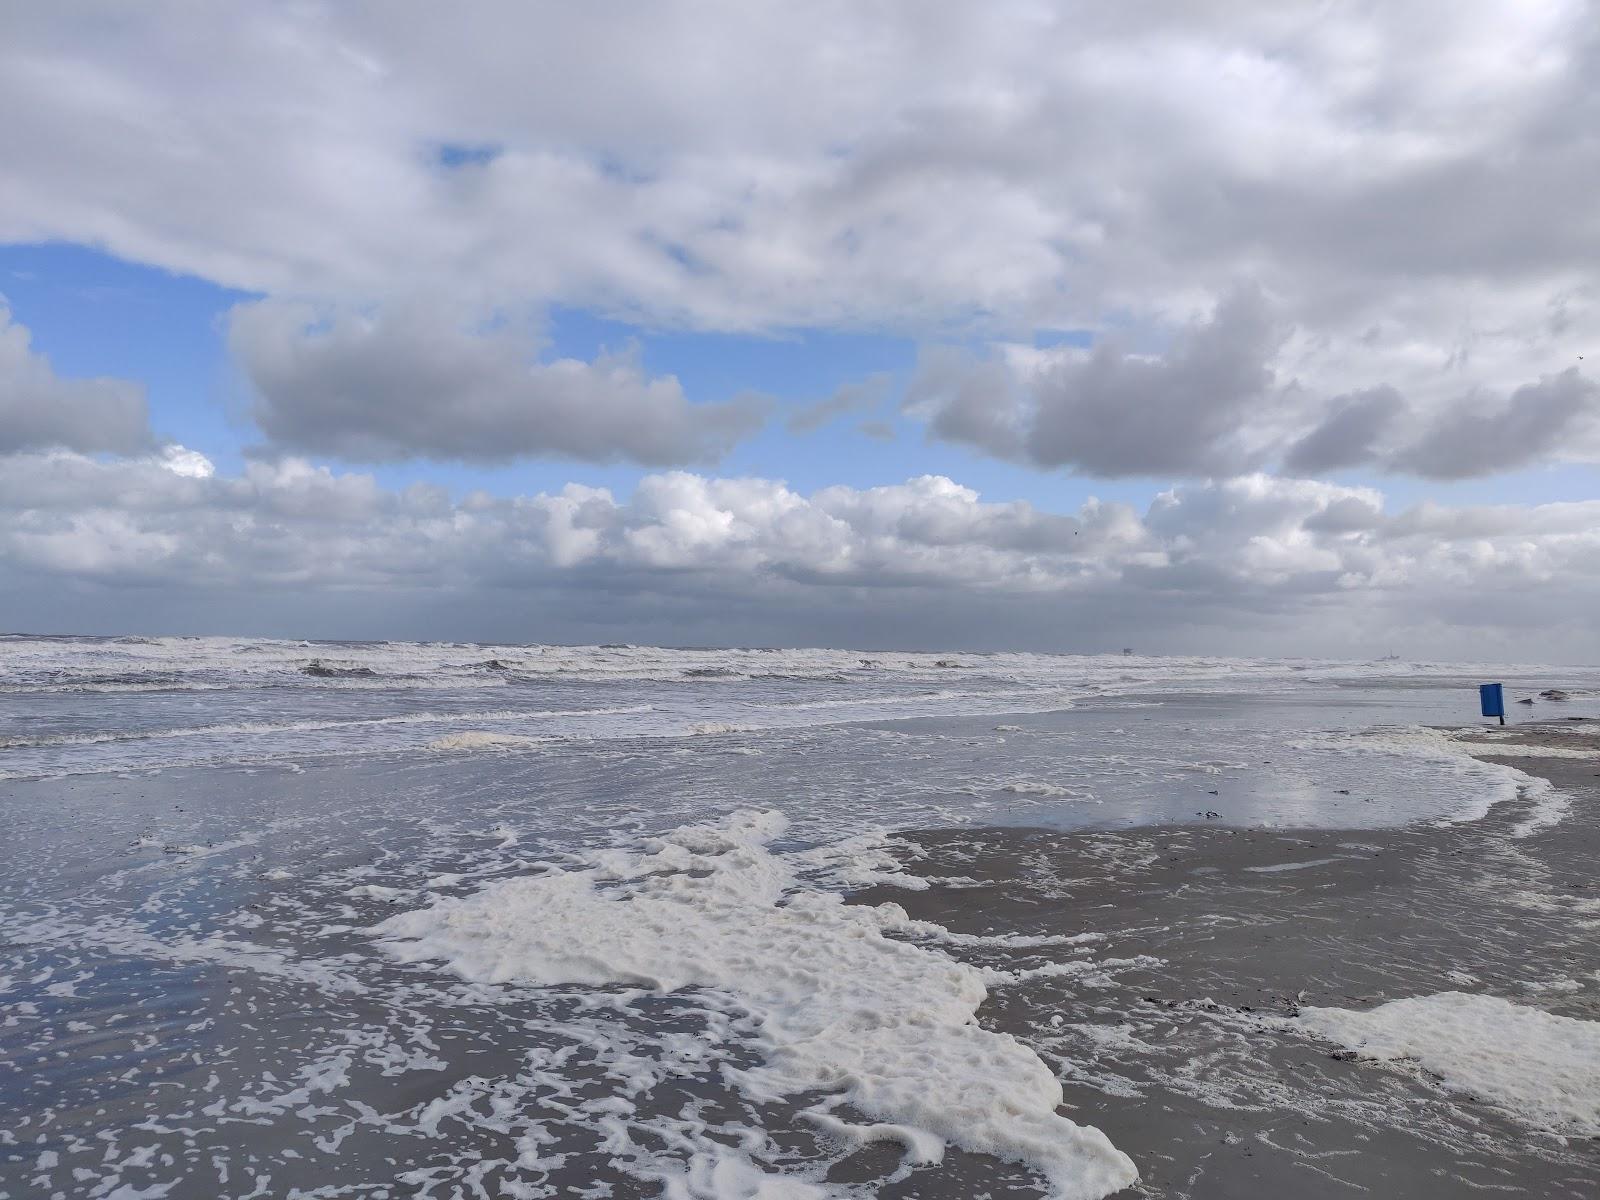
1160	974
1176	1027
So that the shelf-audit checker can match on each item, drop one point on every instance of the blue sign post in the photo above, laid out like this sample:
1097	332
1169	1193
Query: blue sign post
1492	698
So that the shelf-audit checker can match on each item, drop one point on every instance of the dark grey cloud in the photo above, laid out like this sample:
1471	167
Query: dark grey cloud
1214	405
964	399
857	397
1483	436
1352	514
972	401
878	431
1472	436
1349	435
414	382
1182	413
1113	412
40	409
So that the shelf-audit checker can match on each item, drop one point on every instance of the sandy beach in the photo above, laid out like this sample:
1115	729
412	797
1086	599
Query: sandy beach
1183	1035
741	925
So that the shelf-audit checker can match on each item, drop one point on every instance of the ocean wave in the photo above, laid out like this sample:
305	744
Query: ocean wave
24	689
478	739
859	701
42	664
324	670
375	682
424	683
1040	787
21	741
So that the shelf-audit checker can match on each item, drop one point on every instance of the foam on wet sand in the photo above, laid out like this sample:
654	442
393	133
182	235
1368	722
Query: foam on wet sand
1542	1068
884	1027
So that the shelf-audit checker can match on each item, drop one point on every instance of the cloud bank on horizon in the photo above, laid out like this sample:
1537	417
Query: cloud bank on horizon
1204	282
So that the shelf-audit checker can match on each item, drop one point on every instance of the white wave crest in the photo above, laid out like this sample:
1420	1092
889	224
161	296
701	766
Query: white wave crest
478	739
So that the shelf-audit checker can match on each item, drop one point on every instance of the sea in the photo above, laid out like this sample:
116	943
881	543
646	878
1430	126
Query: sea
384	919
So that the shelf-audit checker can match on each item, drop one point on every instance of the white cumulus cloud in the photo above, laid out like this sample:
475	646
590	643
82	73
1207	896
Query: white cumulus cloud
1317	566
1410	183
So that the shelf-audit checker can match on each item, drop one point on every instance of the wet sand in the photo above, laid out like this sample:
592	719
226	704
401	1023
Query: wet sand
1179	1037
245	1037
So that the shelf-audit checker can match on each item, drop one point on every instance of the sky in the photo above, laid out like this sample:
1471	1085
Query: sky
1223	327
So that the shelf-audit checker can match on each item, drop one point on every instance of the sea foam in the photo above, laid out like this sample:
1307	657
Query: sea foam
1543	1069
881	1025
